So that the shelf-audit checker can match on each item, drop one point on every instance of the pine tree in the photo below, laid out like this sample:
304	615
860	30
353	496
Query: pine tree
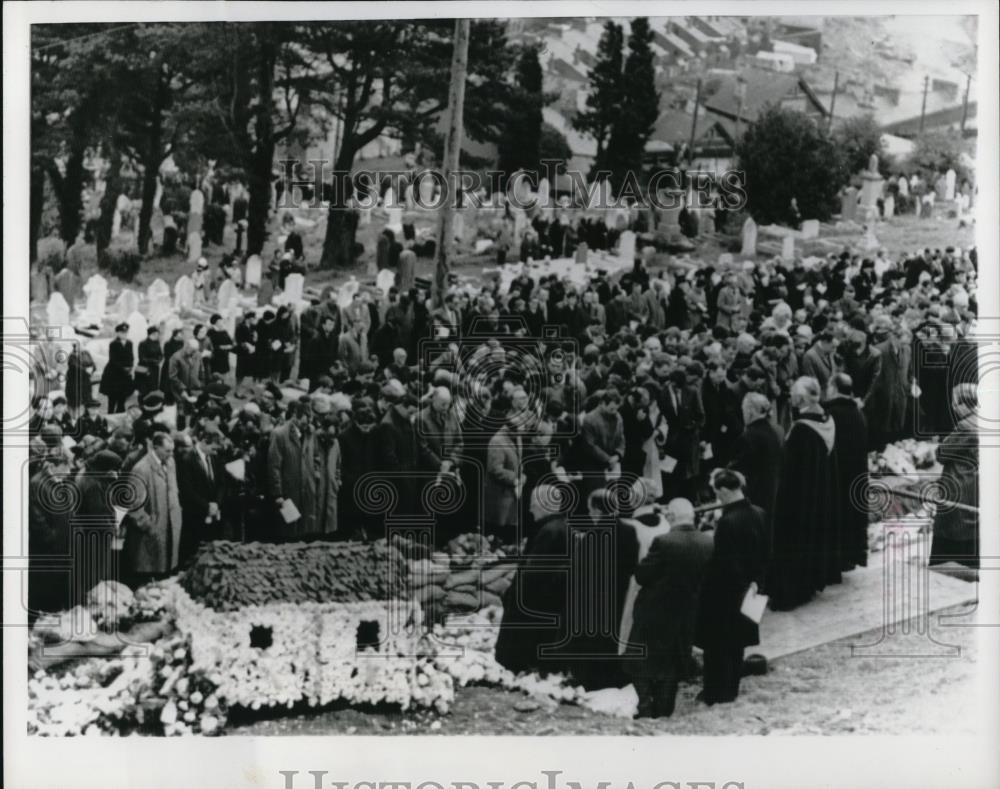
519	146
639	107
604	98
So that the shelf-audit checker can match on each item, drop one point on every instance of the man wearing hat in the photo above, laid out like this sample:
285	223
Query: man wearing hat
328	454
91	423
152	545
92	559
147	371
116	380
186	378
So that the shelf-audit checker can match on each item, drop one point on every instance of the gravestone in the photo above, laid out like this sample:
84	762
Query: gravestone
184	293
543	192
229	295
889	207
127	303
159	301
385	280
254	266
582	252
788	247
425	190
138	327
810	228
294	283
96	290
869	241
849	204
57	310
725	260
749	237
949	185
626	247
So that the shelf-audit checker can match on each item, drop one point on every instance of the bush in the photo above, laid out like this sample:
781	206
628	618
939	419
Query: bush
856	140
786	154
120	262
214	223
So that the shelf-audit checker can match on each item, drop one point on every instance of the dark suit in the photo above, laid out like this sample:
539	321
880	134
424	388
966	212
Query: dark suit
666	614
885	409
684	425
740	557
195	490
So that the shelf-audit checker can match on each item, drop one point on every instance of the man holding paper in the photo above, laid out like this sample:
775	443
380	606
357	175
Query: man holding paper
739	559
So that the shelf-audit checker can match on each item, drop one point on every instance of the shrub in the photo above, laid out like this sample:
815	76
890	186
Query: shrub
120	262
52	254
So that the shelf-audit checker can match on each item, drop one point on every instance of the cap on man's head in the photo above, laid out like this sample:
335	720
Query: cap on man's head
153	401
121	327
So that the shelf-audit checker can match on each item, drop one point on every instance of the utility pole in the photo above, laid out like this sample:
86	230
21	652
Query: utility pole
453	146
965	102
923	104
833	98
694	121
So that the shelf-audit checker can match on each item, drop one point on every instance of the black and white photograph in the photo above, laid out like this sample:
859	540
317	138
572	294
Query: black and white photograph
397	370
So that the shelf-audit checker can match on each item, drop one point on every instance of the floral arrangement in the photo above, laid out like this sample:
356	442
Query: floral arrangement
904	457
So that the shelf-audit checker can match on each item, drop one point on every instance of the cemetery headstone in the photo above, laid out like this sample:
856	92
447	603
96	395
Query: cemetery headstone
229	295
96	290
253	274
127	303
57	310
788	247
949	185
184	293
294	283
385	280
889	207
581	252
159	301
725	259
810	228
849	204
626	247
749	237
137	327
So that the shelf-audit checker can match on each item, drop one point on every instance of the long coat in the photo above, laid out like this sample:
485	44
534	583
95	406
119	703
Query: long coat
886	407
739	558
150	358
49	535
535	604
153	540
851	444
79	369
196	491
757	456
328	490
399	457
666	610
291	467
503	468
116	379
683	430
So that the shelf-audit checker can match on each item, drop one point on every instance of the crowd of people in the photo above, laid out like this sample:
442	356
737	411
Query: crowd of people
761	385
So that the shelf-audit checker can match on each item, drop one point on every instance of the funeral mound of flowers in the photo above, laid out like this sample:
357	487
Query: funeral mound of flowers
256	626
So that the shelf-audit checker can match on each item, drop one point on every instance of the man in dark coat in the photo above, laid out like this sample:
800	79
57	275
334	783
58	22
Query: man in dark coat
757	454
199	474
222	345
246	348
739	558
956	531
535	605
886	408
94	562
49	534
79	371
148	368
399	452
851	445
116	379
359	448
806	557
319	351
666	610
681	409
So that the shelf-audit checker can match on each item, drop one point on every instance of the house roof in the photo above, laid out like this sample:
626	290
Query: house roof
674	126
579	144
671	42
562	69
763	88
946	117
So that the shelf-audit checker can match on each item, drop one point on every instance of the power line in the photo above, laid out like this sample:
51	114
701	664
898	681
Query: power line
65	41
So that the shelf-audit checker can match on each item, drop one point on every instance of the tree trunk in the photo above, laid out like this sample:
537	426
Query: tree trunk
149	178
151	167
35	207
259	182
338	244
70	196
108	202
453	149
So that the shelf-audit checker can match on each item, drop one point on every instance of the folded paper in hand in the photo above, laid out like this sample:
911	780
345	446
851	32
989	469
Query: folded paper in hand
667	464
289	512
754	604
237	469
